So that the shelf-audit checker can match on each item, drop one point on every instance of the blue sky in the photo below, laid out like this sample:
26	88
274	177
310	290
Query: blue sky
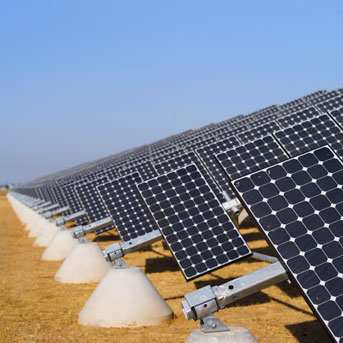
82	79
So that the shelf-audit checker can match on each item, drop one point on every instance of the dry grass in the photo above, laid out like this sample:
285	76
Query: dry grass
35	308
3	192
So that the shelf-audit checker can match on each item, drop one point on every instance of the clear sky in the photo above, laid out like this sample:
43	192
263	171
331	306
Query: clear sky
82	79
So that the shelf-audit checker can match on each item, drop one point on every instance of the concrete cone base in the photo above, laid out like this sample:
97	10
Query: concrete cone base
235	335
60	247
125	298
84	264
36	230
46	236
245	221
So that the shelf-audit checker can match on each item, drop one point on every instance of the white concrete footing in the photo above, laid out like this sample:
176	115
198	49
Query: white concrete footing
84	264
46	235
125	297
37	228
60	247
235	335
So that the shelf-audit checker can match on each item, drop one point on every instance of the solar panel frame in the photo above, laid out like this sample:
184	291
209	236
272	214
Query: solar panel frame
197	229
298	206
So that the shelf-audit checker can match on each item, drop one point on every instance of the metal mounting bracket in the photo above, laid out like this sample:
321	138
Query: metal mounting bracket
211	323
50	214
71	217
120	264
208	300
82	230
118	250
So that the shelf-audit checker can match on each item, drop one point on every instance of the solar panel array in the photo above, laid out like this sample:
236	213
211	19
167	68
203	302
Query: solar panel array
298	205
199	232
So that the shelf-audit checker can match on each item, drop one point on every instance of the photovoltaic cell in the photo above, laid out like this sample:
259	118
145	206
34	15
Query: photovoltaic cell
298	205
184	160
311	134
251	157
207	155
257	132
297	117
126	207
92	203
197	229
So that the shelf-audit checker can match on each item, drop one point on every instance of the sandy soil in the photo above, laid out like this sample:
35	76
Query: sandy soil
35	308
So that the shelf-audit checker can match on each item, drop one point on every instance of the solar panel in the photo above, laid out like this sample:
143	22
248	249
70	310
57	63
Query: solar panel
298	117
251	157
145	169
127	209
298	205
92	203
338	115
311	134
197	229
293	106
68	192
257	132
186	159
331	104
207	155
323	97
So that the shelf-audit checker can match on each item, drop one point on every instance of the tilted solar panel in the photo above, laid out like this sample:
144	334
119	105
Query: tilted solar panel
311	134
251	157
331	104
92	203
298	205
298	116
197	229
127	209
207	155
186	159
337	114
258	132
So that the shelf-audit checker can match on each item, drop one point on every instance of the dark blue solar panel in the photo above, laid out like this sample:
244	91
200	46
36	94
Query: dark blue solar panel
197	229
298	205
251	157
207	155
127	209
254	133
92	203
311	134
186	159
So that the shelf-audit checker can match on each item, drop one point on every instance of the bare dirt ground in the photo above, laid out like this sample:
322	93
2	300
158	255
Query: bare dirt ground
36	308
